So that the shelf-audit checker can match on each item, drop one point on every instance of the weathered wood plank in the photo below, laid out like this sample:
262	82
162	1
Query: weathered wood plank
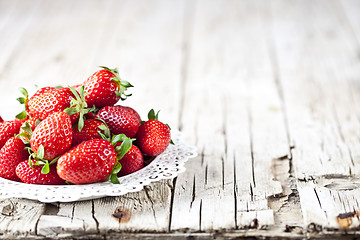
19	217
245	81
239	93
145	211
322	205
67	219
318	64
317	88
15	17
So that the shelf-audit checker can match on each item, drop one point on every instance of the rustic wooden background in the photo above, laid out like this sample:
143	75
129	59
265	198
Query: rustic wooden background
268	91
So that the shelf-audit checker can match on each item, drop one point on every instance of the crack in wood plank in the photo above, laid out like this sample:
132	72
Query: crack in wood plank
286	206
172	189
187	29
92	215
251	149
235	194
193	192
146	189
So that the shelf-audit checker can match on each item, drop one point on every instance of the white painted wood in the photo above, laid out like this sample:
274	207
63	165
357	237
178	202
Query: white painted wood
15	20
322	205
19	217
239	114
246	81
313	58
59	226
318	76
147	210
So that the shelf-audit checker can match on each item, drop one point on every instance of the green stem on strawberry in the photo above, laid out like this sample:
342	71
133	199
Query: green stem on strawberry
79	105
40	161
152	115
121	150
26	134
105	131
113	176
123	85
23	100
106	135
26	131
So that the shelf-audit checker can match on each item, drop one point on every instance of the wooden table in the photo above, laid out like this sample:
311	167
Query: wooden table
268	91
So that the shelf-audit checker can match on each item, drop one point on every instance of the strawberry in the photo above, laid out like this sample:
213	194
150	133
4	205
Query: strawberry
45	101
54	133
90	115
49	100
33	174
105	87
132	161
120	120
11	154
135	113
89	162
21	121
43	90
8	129
27	129
77	87
153	136
95	160
89	131
1	120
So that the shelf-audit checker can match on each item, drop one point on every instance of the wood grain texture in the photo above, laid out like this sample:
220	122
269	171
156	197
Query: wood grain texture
268	91
19	217
317	69
240	177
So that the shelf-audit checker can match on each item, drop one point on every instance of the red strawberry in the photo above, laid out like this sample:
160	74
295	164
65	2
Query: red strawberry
1	120
49	100
32	122
27	128
153	136
132	161
89	162
105	88
77	87
95	160
54	133
21	121
43	90
135	113
120	120
90	115
7	130
11	154
33	175
89	131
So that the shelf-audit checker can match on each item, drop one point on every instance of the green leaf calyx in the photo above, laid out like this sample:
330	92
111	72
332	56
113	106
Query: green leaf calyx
122	84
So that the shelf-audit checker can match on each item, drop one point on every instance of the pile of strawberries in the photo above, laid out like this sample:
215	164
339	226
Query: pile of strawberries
77	135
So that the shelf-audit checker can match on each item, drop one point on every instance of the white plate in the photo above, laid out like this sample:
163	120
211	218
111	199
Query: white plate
165	166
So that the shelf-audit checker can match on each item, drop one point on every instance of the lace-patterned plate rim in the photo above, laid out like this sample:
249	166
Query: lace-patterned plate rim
165	166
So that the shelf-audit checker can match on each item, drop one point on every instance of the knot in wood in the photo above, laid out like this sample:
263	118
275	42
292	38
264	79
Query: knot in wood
8	210
122	215
345	219
254	223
